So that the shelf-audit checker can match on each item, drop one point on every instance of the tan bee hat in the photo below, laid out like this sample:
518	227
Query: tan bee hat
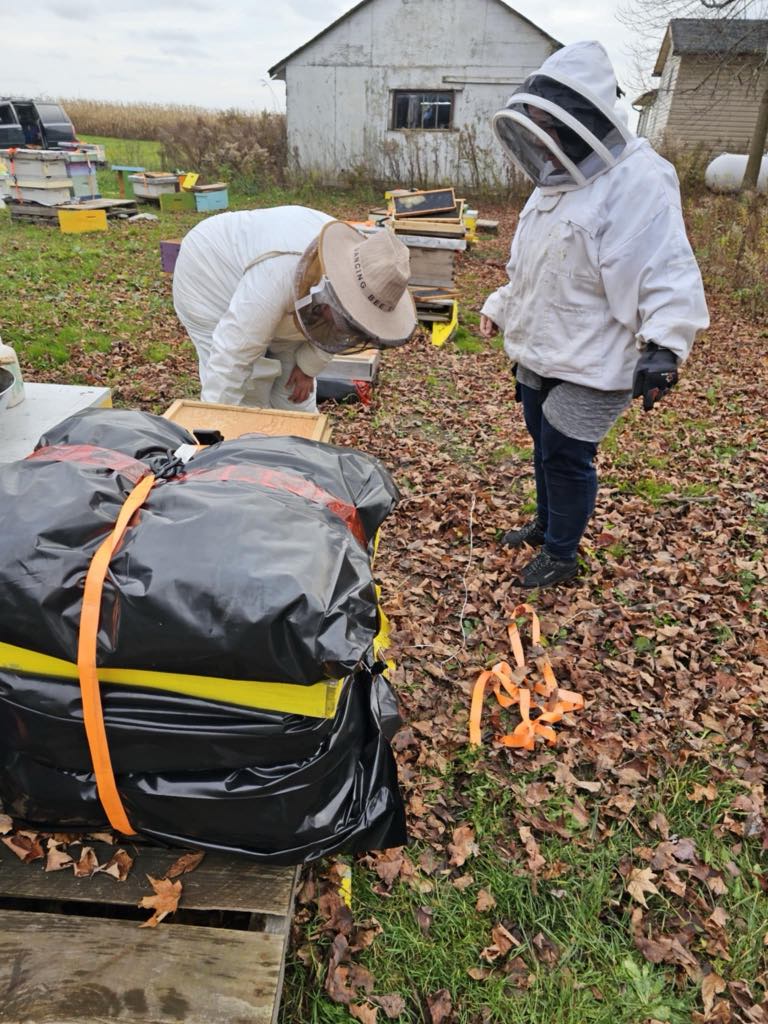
369	275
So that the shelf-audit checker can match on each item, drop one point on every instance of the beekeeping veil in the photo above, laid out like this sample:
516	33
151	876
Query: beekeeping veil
561	127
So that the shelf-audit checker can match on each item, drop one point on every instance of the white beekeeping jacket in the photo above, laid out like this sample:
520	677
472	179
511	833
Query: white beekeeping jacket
233	288
600	263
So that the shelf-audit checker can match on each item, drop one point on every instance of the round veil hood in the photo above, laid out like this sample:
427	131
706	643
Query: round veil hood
562	127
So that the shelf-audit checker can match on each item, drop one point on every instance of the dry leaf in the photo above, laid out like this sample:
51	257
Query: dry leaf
640	882
484	901
716	884
57	858
463	845
535	860
591	787
6	824
660	824
364	1012
463	882
88	863
424	917
25	845
711	985
393	1005
102	837
364	935
388	869
664	948
478	973
708	793
164	902
187	862
440	1006
546	950
118	866
503	941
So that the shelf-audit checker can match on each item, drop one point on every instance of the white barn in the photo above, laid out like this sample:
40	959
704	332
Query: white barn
403	91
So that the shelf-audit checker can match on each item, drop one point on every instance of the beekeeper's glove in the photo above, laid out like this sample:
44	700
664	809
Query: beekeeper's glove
655	374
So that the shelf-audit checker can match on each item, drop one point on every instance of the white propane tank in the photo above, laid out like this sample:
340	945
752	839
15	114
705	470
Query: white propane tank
726	173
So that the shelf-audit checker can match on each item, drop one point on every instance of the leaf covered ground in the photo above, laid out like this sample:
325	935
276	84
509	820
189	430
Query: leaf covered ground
620	875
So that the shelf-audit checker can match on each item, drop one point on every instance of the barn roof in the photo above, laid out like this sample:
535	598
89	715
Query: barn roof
735	36
277	70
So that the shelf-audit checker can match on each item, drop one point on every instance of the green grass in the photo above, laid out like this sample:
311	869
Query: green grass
595	974
463	341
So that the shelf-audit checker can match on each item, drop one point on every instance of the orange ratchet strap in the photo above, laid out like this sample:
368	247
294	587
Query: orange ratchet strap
93	714
501	677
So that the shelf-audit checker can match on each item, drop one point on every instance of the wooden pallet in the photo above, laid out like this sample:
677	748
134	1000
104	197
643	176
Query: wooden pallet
72	952
34	213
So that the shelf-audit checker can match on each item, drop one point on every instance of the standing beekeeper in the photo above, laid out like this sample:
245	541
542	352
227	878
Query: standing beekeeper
267	297
604	297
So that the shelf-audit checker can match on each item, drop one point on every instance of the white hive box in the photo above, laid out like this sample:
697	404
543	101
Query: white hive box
32	163
358	366
151	185
43	407
45	191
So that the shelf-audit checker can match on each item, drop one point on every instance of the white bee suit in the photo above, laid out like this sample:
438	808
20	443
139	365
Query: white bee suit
600	262
233	289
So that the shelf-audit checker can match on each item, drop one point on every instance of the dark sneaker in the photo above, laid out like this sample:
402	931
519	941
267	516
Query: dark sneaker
532	533
545	571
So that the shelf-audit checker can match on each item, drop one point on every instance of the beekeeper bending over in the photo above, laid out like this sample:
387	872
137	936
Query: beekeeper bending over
604	296
267	297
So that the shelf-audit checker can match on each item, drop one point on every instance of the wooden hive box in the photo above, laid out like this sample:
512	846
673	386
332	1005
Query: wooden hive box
358	366
206	201
235	420
176	202
169	253
73	222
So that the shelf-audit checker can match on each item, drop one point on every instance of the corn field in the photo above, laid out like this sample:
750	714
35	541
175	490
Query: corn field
246	148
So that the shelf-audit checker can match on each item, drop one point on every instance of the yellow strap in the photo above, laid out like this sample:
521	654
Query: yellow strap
316	701
319	700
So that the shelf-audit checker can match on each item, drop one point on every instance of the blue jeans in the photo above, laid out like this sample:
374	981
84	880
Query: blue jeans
566	481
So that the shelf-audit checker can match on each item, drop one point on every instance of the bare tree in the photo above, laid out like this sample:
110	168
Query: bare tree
648	20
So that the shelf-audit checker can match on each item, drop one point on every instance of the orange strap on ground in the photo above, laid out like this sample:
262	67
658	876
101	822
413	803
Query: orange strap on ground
93	714
556	702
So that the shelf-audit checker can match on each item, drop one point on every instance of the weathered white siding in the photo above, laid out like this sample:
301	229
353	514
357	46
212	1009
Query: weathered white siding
339	90
715	104
705	101
655	123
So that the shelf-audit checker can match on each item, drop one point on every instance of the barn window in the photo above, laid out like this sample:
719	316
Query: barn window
425	110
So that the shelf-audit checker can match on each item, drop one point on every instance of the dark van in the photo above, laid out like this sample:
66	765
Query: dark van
34	123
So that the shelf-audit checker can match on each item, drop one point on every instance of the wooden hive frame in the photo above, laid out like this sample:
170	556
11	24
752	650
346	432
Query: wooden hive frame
235	420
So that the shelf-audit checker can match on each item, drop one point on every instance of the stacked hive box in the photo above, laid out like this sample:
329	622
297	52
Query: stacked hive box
52	177
82	171
431	224
39	176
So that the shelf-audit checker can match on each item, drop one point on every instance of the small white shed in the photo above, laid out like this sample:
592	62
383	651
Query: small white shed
404	90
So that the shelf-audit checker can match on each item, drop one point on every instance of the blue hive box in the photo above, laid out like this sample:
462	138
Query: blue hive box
211	197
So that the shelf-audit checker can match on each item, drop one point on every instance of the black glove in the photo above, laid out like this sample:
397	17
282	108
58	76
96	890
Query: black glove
518	392
655	374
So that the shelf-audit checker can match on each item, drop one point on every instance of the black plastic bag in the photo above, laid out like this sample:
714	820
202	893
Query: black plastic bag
252	563
342	794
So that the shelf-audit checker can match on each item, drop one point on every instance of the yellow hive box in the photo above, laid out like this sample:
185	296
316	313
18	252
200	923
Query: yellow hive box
75	222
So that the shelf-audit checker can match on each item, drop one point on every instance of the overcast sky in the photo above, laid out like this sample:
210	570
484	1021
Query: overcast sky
207	54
